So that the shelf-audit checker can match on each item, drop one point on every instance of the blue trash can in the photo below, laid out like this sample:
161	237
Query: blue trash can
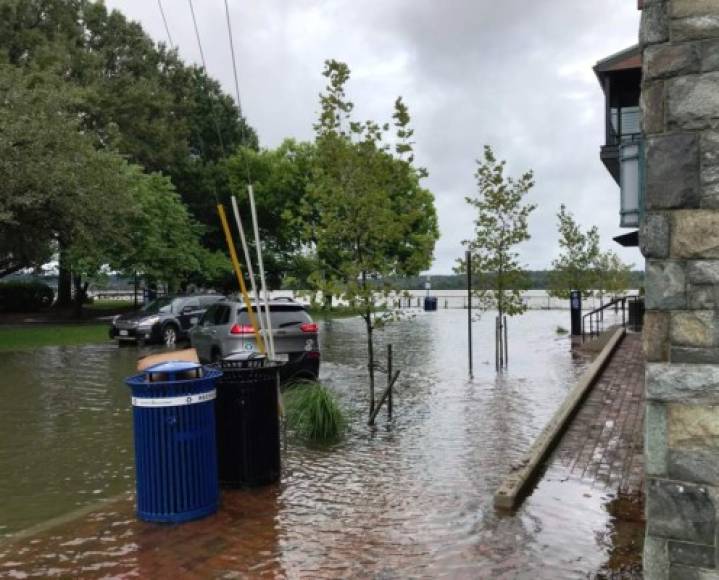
430	303
173	414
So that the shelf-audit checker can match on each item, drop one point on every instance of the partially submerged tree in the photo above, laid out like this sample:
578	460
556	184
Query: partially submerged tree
613	276
574	269
500	225
366	215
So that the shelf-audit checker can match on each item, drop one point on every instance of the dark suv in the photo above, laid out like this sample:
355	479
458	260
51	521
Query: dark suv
165	320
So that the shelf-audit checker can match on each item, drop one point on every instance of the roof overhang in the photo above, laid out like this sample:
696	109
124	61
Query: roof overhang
630	240
627	59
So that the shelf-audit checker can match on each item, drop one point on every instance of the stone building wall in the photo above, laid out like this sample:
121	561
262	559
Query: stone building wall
679	237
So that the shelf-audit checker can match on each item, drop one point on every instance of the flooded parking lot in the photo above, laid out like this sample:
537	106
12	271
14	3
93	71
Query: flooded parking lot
413	498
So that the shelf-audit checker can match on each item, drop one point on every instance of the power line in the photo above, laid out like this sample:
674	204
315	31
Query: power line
209	95
237	89
197	35
167	28
234	63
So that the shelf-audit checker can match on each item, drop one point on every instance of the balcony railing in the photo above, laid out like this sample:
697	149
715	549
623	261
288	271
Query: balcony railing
623	125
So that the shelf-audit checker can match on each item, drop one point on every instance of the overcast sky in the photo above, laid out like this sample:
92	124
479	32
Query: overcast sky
516	74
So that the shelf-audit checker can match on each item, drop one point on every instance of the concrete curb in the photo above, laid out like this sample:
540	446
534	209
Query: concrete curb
63	519
508	494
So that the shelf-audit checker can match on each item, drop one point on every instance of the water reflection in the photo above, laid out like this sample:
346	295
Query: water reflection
410	498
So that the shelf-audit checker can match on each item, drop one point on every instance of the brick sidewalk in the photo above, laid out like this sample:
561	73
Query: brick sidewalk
604	442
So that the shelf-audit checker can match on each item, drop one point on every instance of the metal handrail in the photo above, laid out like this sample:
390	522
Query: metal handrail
596	316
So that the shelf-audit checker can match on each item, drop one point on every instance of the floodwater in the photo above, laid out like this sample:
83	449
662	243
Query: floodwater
411	498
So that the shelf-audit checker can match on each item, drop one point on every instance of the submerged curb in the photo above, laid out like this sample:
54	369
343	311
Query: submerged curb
508	494
63	519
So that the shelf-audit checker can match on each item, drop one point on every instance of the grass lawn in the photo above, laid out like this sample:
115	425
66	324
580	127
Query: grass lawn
109	305
29	337
336	312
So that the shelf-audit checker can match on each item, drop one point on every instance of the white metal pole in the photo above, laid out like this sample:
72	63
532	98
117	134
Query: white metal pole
261	267
248	261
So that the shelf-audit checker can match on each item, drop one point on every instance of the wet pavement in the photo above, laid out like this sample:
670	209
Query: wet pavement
413	498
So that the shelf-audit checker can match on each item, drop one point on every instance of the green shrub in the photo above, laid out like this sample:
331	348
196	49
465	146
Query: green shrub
561	330
313	413
25	296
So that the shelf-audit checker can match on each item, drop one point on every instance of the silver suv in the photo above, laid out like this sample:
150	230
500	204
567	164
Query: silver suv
225	329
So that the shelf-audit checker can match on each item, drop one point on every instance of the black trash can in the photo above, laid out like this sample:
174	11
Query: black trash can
248	427
636	313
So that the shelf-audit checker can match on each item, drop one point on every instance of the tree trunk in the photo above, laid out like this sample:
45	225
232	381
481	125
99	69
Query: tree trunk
80	294
64	281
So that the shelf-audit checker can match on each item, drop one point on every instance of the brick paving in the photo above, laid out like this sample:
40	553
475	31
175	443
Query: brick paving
604	441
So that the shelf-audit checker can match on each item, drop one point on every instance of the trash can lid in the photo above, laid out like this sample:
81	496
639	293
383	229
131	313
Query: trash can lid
173	366
244	355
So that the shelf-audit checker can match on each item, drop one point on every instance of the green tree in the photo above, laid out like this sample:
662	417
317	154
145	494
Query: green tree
280	178
366	215
132	96
574	269
613	277
500	225
57	187
162	237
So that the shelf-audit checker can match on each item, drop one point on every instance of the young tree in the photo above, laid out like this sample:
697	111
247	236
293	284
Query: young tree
500	225
366	215
613	276
575	267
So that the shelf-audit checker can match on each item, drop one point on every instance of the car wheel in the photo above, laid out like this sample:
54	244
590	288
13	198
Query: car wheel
169	335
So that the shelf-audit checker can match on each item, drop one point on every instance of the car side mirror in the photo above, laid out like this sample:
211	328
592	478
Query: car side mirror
187	309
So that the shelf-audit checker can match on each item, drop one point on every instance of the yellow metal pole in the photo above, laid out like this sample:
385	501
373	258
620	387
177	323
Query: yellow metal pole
240	279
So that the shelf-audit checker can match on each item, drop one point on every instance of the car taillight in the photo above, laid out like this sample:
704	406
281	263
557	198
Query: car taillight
313	354
242	329
309	327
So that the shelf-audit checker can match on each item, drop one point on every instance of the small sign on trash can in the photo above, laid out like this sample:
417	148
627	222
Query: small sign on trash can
173	416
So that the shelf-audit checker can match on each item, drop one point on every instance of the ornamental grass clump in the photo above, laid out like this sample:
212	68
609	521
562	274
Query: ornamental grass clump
313	412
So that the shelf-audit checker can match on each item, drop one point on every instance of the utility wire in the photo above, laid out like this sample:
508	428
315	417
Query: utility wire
237	90
209	96
197	35
164	20
234	62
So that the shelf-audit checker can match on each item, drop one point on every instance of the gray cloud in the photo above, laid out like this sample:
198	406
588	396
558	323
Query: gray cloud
514	74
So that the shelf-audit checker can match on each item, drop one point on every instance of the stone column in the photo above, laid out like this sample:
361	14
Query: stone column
679	237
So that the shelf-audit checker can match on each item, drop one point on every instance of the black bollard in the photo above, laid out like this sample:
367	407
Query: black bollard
575	304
